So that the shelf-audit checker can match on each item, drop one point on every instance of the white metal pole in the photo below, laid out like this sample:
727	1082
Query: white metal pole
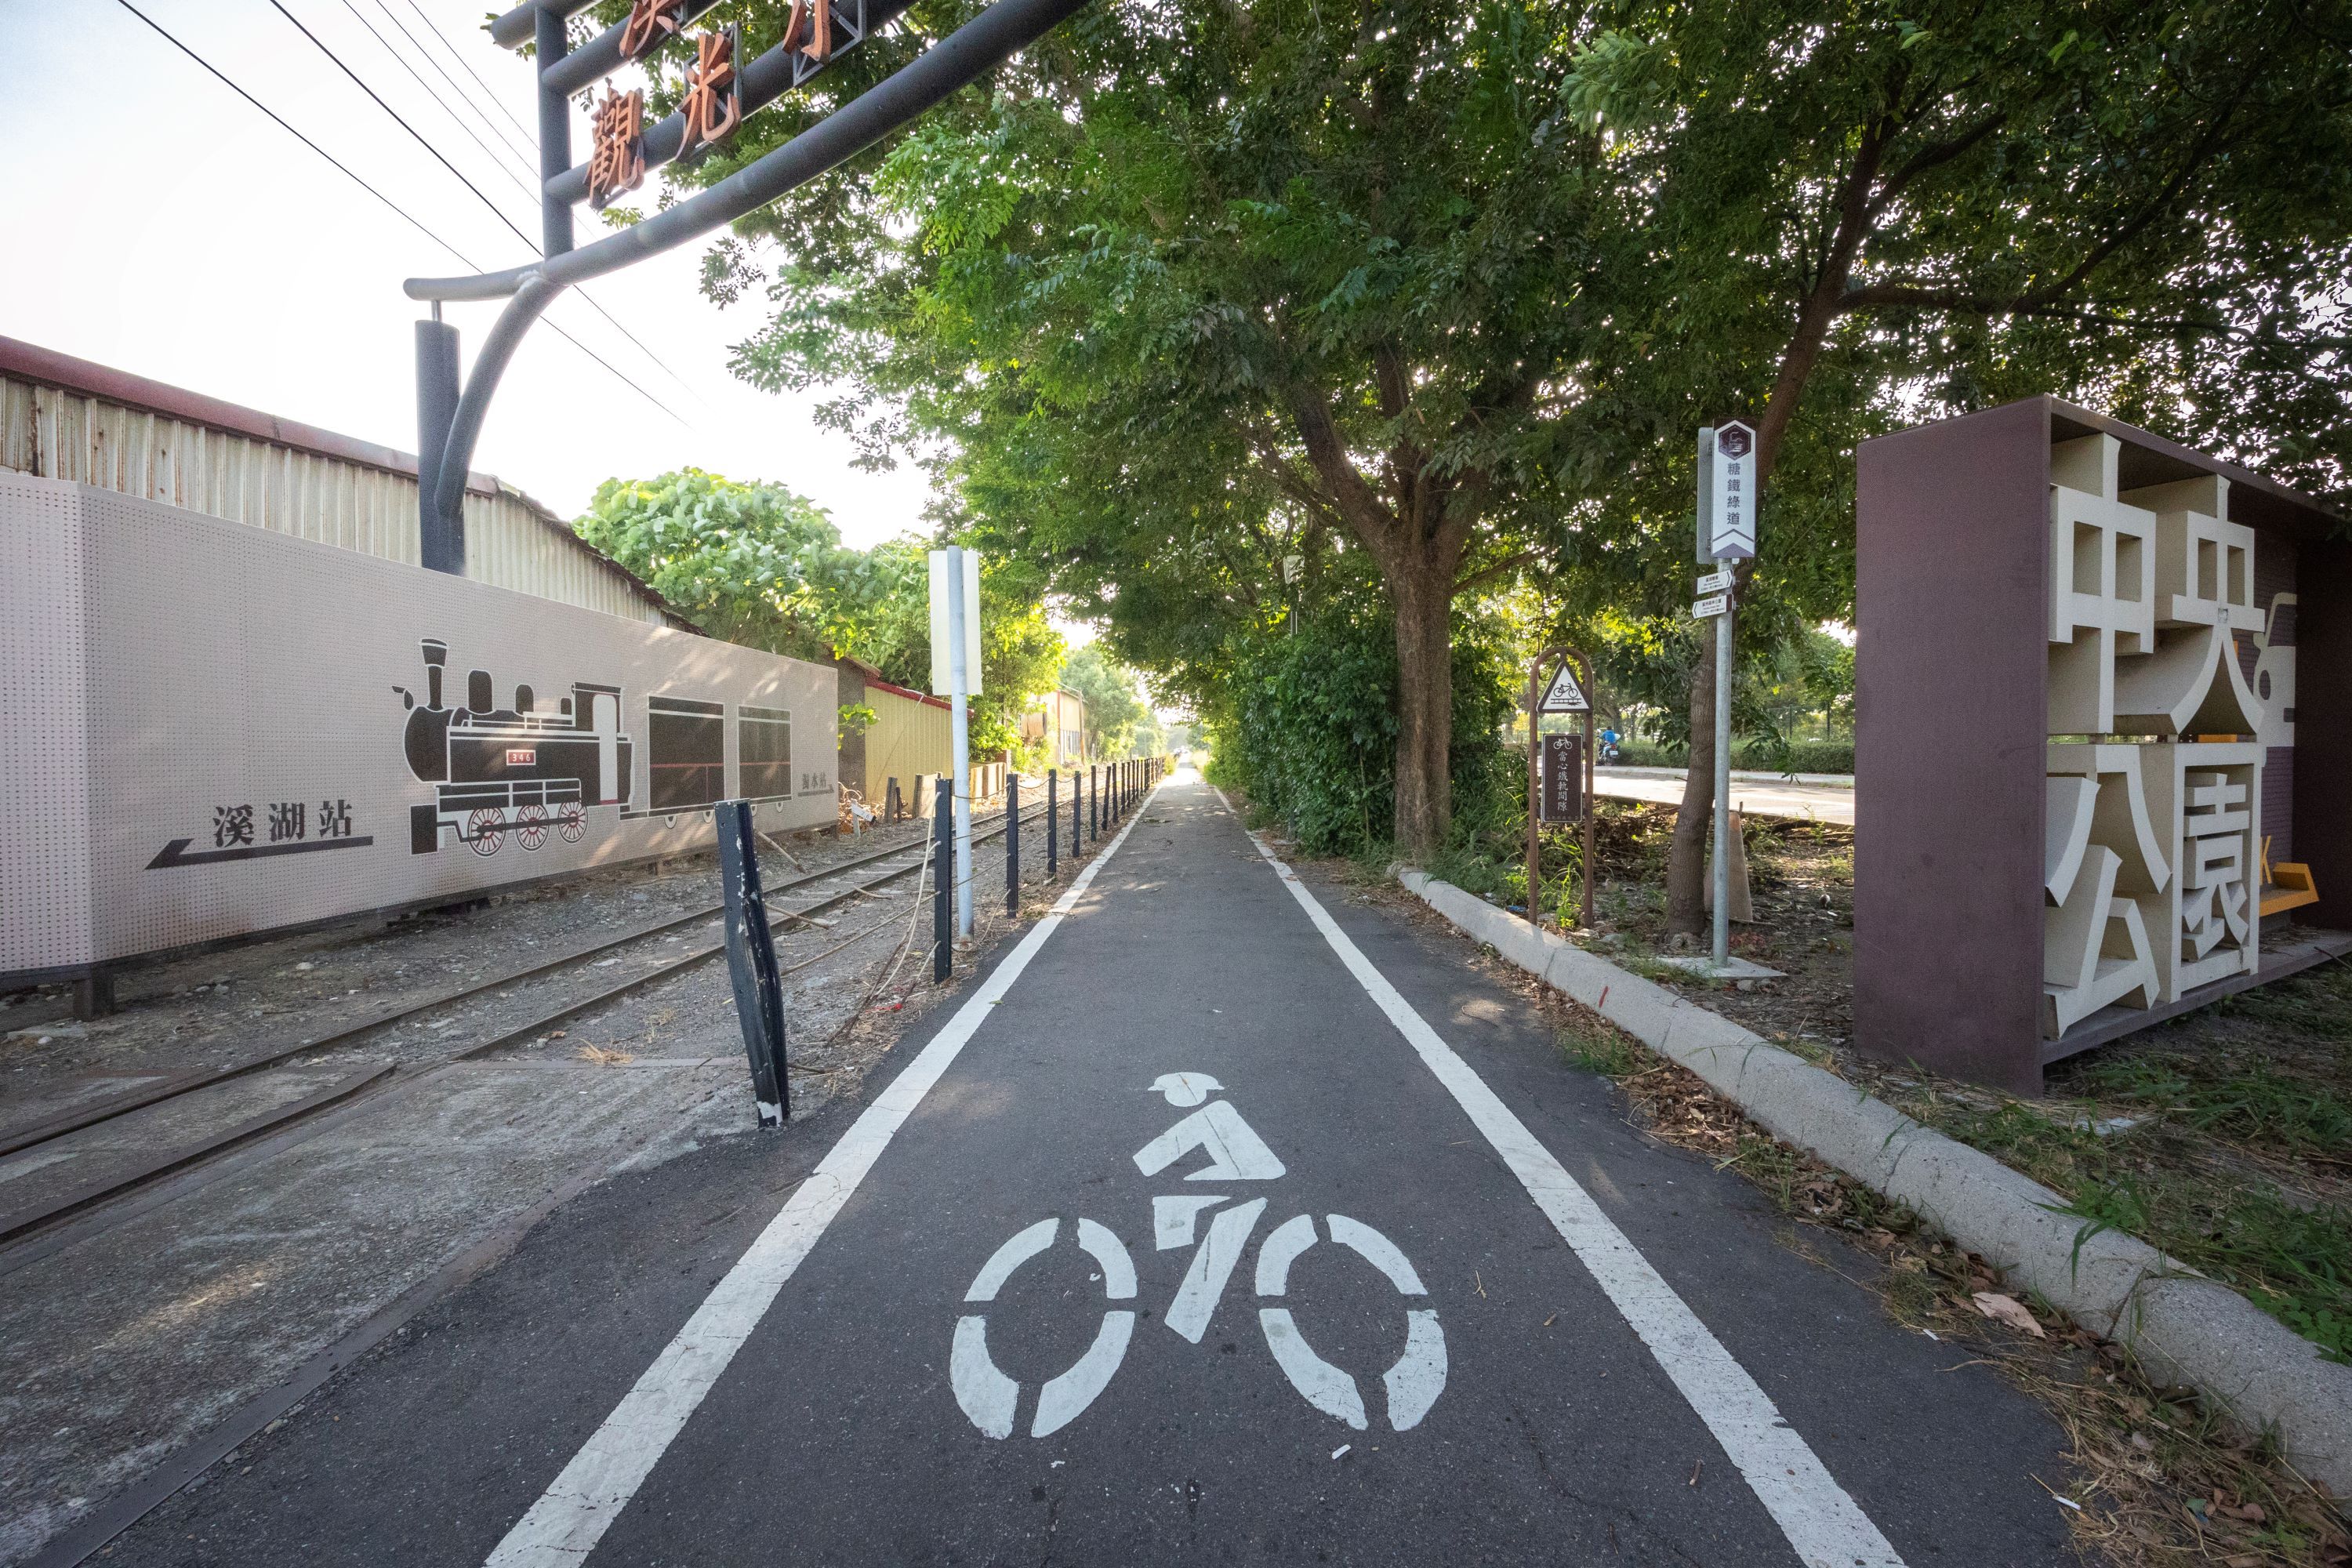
958	683
1722	786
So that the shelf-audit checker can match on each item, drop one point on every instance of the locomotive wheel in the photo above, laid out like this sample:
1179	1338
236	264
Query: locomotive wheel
485	830
571	821
531	826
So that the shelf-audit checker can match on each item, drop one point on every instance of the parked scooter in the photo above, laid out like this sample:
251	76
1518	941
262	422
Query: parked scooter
1608	752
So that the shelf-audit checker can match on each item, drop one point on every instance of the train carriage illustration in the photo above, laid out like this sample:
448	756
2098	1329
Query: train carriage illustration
515	770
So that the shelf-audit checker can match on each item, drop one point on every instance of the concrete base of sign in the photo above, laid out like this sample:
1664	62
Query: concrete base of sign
1732	968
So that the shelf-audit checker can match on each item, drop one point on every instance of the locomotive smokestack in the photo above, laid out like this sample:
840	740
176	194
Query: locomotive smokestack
436	654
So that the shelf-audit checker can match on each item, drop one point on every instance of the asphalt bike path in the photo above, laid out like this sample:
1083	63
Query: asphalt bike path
1226	1217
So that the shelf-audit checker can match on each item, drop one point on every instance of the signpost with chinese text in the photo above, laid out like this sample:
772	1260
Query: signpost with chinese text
1559	766
1727	501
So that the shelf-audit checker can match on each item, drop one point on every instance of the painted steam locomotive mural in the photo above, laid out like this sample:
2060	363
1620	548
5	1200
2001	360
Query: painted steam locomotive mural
216	730
516	770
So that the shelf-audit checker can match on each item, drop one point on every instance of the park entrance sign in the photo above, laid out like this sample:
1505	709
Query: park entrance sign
721	90
2082	805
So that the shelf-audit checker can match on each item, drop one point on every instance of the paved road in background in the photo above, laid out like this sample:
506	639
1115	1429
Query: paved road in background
1230	1216
1825	803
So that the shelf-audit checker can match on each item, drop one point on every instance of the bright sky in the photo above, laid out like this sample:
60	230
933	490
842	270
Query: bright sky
158	224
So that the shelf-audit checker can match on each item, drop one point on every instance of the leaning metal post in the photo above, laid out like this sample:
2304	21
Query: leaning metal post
751	960
942	878
1012	841
1053	822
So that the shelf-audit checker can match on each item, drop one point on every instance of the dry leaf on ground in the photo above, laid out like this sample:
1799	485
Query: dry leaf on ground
2007	1309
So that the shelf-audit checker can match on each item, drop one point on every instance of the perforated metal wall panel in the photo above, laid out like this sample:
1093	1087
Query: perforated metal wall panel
217	729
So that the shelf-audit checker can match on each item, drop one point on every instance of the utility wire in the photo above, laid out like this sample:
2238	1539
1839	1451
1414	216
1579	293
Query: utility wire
411	217
531	193
442	39
404	213
443	104
530	158
496	210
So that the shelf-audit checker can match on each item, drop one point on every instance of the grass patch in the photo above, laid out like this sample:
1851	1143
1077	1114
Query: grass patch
2163	1480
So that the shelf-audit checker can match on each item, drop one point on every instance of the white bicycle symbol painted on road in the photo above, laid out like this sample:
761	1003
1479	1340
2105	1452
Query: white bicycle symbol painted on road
1236	1154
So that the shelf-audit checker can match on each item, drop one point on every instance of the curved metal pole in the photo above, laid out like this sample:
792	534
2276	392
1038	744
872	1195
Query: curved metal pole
458	453
971	51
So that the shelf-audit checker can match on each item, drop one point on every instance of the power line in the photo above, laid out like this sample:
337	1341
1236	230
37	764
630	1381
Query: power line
459	174
530	159
410	218
401	60
443	105
442	39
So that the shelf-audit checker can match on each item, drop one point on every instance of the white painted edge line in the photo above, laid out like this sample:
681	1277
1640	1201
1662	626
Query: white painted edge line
2189	1329
1825	1525
564	1525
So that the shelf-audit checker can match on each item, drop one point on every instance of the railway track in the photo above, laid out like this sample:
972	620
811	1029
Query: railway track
30	1226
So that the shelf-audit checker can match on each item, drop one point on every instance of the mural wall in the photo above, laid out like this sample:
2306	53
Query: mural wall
216	730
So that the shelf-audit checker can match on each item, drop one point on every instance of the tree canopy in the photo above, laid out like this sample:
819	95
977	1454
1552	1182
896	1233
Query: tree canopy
1258	322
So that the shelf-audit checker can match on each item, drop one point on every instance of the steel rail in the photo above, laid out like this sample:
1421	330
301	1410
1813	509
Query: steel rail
188	1083
387	1077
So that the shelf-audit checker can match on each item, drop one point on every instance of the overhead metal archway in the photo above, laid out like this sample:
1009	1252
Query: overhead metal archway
449	417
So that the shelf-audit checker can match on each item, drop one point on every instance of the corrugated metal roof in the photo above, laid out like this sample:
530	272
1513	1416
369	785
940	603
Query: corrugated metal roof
67	418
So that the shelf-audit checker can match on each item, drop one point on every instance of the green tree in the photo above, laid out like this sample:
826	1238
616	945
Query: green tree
1344	271
753	563
1114	708
1942	206
758	564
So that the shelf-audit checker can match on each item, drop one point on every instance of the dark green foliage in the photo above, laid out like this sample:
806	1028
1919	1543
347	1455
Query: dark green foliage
1307	727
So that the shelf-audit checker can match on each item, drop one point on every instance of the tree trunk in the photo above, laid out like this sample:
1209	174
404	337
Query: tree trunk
1687	855
1424	596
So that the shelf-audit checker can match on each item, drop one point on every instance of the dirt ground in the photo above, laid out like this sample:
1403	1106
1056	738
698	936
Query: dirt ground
2223	1137
259	1257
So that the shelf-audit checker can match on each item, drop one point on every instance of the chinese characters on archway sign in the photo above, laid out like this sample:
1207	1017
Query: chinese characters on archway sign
712	107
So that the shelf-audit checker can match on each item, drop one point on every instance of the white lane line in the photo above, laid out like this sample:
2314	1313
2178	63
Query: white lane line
564	1525
1825	1525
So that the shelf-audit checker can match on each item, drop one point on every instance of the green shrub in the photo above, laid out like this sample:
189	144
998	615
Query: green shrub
1306	725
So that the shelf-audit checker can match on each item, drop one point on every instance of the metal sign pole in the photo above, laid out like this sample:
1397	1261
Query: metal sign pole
1591	716
960	698
1723	788
1728	506
1535	791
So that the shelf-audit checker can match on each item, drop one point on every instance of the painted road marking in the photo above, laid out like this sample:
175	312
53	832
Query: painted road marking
564	1525
1825	1525
989	1398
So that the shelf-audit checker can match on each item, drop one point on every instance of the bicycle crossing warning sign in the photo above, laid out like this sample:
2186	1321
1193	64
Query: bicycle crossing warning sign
1564	695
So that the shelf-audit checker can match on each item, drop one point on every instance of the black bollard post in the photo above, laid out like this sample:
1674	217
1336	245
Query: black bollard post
1012	841
943	879
1053	822
1094	803
751	960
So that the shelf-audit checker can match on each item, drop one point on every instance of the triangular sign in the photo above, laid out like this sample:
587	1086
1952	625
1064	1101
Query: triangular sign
1564	696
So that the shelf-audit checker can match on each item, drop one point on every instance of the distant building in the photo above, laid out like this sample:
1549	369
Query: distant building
1060	721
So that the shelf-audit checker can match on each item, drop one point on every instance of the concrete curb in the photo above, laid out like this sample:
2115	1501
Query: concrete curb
2186	1327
